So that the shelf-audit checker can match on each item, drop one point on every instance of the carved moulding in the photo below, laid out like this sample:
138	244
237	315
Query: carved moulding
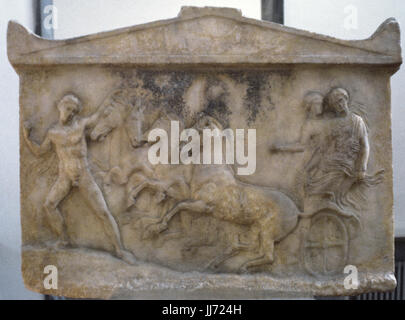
115	224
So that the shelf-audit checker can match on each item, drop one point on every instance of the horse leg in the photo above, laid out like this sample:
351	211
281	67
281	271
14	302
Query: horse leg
139	167
185	225
115	175
257	262
266	253
198	206
165	237
232	251
133	194
178	189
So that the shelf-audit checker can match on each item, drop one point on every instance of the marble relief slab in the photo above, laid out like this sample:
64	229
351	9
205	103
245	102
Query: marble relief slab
117	191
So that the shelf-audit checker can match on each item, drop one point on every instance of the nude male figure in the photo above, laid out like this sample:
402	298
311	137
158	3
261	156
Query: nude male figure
69	139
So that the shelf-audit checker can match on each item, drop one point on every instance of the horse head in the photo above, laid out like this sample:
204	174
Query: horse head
113	115
135	126
142	120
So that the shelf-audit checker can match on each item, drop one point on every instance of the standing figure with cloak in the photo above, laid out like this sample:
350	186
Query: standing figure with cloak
336	150
341	175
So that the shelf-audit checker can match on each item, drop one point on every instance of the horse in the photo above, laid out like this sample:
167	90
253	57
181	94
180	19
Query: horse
136	121
214	190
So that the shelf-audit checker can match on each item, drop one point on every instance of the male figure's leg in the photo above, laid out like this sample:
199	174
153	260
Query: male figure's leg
93	195
58	192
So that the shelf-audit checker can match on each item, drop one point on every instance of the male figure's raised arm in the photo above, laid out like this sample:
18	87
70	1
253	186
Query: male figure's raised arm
35	148
92	120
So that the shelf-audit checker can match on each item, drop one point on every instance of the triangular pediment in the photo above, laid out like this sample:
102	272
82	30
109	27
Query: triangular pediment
205	36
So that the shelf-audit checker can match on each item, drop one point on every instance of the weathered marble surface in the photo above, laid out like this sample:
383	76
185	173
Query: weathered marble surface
117	226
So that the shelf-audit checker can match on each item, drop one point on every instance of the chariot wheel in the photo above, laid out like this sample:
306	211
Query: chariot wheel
326	245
